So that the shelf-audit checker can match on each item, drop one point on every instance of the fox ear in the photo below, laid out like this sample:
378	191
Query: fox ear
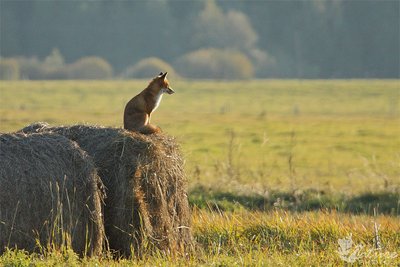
162	76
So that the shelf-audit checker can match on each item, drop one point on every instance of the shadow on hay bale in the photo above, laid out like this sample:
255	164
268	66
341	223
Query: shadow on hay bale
49	195
146	202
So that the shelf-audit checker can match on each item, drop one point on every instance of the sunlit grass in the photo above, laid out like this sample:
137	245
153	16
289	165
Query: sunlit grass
256	239
345	132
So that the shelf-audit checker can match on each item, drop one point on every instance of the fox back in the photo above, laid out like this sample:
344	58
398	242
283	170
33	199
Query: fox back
138	110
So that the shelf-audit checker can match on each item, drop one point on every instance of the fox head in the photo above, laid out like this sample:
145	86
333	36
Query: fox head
161	84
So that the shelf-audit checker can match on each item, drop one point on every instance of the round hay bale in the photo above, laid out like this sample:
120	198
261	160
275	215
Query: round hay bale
49	195
147	203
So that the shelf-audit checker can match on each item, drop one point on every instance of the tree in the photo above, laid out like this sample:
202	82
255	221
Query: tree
215	64
148	68
9	69
214	28
55	59
90	68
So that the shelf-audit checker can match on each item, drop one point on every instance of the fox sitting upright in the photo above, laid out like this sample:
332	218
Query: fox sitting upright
138	110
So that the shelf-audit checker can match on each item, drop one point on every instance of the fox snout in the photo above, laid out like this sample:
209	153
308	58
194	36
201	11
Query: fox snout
169	91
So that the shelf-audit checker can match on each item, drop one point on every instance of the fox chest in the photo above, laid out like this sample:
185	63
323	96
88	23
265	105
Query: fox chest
156	102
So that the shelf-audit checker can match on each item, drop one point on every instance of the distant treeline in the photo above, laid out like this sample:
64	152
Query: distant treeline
201	39
203	64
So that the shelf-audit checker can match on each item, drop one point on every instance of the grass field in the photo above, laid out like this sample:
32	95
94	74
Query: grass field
253	146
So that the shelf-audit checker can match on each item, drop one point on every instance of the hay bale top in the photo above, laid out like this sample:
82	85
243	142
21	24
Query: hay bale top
96	132
116	145
39	153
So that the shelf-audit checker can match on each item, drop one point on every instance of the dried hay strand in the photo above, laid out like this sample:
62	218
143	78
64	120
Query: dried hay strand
146	204
49	195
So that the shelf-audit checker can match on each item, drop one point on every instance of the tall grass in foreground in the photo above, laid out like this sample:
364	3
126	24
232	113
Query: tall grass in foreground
292	235
262	239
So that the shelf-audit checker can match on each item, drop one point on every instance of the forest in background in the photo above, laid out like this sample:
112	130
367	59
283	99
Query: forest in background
199	39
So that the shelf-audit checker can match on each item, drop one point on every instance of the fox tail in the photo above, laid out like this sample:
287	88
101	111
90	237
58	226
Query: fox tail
149	129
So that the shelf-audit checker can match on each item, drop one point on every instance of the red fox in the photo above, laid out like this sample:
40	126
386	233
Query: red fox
138	110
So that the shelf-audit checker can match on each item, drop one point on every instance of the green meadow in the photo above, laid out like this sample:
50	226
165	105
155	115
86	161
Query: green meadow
257	135
278	171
